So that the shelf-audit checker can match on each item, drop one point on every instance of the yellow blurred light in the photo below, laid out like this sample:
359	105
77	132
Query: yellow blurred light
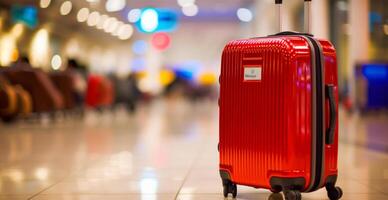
141	74
93	18
14	55
72	48
41	173
385	27
101	21
16	175
7	47
1	24
65	8
44	3
83	15
56	62
125	32
207	79
39	49
17	30
166	77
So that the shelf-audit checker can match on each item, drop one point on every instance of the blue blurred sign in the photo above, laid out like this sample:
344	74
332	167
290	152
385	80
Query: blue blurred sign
156	20
25	14
376	75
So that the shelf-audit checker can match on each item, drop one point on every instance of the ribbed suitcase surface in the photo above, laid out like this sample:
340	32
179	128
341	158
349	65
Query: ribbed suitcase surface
266	110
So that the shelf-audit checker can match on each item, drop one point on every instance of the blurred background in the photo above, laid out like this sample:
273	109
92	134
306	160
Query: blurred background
124	87
160	47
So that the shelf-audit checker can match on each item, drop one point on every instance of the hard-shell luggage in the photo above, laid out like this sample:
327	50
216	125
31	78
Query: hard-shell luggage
278	114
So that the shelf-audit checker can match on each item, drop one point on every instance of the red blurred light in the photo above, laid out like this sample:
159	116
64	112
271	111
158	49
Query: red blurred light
160	41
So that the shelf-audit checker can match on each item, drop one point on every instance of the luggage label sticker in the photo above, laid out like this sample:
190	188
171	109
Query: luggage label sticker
252	73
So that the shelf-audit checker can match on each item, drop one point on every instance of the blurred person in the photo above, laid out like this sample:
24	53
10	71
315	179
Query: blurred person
79	80
127	91
22	63
134	92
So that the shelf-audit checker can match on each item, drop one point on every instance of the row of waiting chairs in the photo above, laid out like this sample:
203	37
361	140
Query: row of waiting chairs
29	90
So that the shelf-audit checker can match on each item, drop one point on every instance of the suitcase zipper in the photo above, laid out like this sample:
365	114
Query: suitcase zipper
318	158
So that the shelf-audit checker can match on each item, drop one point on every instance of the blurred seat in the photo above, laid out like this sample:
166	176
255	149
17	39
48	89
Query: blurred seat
99	92
14	100
24	101
65	84
44	94
8	100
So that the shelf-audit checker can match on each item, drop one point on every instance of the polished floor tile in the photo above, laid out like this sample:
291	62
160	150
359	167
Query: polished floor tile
167	150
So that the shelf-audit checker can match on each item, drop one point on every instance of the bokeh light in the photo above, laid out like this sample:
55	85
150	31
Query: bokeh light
190	10
139	47
83	15
160	41
134	15
244	14
149	20
65	8
56	62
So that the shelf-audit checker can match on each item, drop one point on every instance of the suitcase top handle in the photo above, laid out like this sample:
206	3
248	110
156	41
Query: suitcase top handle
307	14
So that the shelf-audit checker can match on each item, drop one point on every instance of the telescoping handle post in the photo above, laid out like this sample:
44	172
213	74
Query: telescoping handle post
307	16
279	14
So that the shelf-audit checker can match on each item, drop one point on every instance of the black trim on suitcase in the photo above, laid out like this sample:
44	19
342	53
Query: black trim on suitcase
319	113
283	184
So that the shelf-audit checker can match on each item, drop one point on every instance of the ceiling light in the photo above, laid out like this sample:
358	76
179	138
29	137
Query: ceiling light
44	3
101	21
65	8
134	15
56	62
82	15
149	20
118	26
190	11
93	18
125	32
114	5
244	14
107	23
17	30
185	3
113	23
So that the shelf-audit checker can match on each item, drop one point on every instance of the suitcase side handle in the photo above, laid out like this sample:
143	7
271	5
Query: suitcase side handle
333	114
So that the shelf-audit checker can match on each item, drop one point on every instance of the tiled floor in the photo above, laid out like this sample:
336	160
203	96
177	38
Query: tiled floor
167	150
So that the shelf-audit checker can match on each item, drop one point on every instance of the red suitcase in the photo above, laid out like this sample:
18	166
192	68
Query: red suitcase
278	115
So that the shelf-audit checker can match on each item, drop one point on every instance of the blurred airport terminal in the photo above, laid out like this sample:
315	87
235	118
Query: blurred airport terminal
117	99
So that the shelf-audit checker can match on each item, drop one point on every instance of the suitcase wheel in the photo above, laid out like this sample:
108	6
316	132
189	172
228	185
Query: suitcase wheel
292	195
275	196
334	193
230	188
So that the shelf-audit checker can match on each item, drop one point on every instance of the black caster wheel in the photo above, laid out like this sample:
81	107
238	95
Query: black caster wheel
230	188
334	193
292	195
275	196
